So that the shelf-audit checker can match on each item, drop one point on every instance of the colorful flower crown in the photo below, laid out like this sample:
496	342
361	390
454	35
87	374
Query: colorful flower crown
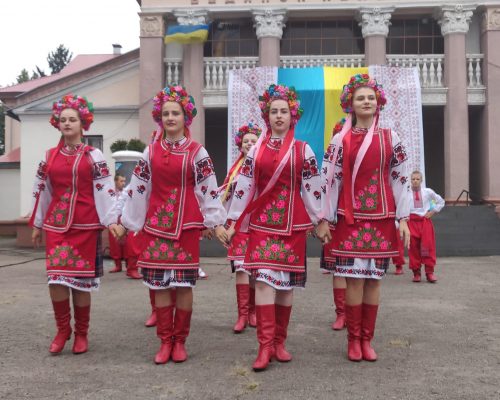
178	94
244	130
79	103
357	81
338	126
280	92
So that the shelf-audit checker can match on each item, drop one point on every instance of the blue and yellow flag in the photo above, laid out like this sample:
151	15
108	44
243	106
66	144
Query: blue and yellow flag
186	34
319	90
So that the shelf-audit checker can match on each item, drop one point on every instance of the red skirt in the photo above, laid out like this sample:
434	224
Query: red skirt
72	253
364	239
276	252
238	247
161	253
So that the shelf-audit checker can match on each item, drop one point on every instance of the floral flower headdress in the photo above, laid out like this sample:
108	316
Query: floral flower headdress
357	81
178	94
338	126
79	103
281	92
244	130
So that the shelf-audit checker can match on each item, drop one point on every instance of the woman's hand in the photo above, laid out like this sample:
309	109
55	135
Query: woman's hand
323	232
404	232
230	233
207	234
36	237
118	231
221	234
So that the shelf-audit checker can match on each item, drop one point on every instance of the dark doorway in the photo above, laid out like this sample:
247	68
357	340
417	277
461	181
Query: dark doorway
433	119
216	140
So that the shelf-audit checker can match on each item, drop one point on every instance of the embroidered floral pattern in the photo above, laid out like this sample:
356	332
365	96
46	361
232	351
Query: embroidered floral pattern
41	172
111	192
99	187
65	255
101	170
366	237
165	249
142	170
398	155
310	168
164	215
74	282
59	214
367	198
239	194
240	248
141	189
328	157
246	168
262	276
274	211
204	169
274	248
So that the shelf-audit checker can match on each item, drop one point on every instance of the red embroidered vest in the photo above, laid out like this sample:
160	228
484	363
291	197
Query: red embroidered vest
173	206
284	211
72	205
373	197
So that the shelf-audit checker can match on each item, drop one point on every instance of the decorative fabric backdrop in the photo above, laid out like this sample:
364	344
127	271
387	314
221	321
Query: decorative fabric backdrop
319	90
403	112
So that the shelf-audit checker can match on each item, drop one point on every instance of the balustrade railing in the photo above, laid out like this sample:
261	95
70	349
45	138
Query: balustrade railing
350	61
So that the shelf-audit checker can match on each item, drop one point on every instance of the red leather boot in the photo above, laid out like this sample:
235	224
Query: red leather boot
132	270
252	318
353	316
242	298
399	270
152	318
417	277
164	331
82	318
368	330
62	314
118	266
182	324
339	300
281	331
429	274
266	323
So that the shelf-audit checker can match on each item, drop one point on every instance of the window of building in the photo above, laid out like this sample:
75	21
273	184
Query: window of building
322	38
231	38
94	141
415	36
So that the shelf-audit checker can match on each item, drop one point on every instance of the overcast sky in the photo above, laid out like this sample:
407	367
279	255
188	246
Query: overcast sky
30	29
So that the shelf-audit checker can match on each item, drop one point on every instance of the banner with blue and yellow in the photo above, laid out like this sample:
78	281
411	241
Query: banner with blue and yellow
186	34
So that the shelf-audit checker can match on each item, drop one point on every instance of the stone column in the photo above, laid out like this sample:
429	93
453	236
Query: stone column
490	139
269	24
454	22
151	70
374	23
193	70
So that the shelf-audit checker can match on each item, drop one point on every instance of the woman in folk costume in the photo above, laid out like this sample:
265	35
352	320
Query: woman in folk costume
172	197
279	191
245	138
366	189
338	282
74	198
425	203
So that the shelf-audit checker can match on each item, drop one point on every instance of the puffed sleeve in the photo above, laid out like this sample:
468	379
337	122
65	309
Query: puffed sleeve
244	187
329	168
311	185
136	200
42	195
104	189
207	191
400	183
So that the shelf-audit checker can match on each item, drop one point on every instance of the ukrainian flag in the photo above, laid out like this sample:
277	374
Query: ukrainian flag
319	90
186	34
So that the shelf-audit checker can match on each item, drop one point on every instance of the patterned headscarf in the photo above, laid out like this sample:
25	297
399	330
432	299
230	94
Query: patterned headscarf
357	81
179	95
79	103
280	92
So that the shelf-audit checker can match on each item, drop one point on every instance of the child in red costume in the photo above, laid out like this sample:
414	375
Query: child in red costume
117	247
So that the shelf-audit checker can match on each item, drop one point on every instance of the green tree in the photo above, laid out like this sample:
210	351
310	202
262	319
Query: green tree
23	76
59	58
38	73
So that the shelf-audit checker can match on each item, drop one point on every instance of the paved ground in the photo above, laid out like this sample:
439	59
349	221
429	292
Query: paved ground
434	341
